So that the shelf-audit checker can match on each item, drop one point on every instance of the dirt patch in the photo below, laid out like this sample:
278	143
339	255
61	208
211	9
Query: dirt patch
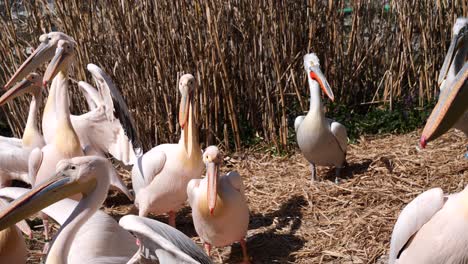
295	221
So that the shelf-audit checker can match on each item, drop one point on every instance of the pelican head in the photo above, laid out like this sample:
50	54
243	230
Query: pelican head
212	158
186	87
459	37
31	84
453	93
312	67
64	56
43	53
76	175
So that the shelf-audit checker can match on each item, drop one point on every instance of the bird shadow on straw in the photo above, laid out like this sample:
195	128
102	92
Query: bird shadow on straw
350	170
274	244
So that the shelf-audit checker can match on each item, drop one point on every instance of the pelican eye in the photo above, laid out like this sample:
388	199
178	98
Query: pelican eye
72	167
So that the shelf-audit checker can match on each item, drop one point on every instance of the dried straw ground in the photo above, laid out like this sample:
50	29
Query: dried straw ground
296	221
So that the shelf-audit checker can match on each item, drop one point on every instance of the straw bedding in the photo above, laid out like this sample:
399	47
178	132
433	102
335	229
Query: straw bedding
295	221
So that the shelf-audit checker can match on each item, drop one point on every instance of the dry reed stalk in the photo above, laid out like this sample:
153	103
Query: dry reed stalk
246	56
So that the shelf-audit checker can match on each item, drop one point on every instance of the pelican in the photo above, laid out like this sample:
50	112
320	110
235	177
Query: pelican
161	175
88	235
219	207
12	245
97	134
451	108
66	143
323	141
432	229
13	158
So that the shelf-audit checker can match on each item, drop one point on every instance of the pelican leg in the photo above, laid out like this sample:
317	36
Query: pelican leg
172	217
246	259
45	223
207	249
313	171
338	174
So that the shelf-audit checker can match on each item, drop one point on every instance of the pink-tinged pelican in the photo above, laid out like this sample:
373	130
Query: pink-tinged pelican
88	235
97	133
219	206
323	141
432	229
12	245
14	159
451	108
66	143
161	175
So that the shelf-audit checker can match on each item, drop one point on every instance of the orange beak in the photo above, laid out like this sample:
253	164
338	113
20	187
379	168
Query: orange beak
451	106
317	75
17	90
184	108
212	193
42	54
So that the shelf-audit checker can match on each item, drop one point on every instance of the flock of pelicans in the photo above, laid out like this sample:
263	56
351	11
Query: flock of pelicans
70	176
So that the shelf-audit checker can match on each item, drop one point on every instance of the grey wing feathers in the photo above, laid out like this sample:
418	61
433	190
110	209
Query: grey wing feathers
417	213
91	94
111	97
340	134
155	235
235	180
298	121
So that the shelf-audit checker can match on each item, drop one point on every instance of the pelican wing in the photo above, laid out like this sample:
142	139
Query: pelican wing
34	163
91	94
115	105
10	142
417	213
298	121
235	180
163	242
340	133
14	162
147	167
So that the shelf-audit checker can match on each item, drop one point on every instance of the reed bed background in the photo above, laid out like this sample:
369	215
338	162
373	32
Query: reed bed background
246	56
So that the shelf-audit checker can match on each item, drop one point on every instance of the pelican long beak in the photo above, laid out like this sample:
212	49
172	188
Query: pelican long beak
57	188
316	74
212	192
450	107
17	90
456	42
184	108
58	63
43	53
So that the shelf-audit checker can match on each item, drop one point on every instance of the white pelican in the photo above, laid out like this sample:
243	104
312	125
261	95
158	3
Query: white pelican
13	158
432	229
451	109
161	175
97	133
88	235
12	245
323	141
219	206
66	143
